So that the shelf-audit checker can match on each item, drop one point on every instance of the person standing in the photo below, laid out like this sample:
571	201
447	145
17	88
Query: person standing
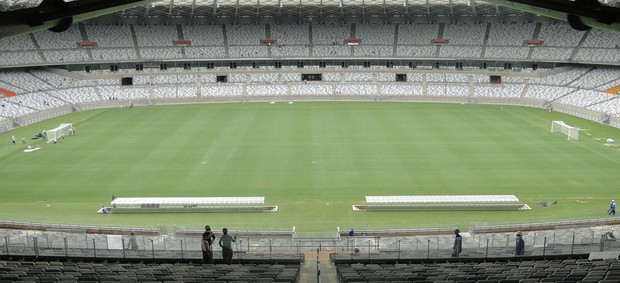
226	244
612	208
23	140
133	242
13	139
457	247
207	241
519	245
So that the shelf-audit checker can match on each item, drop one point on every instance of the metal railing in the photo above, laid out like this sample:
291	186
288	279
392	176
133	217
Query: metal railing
249	245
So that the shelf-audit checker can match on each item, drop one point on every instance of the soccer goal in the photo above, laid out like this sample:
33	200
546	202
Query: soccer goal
571	132
54	134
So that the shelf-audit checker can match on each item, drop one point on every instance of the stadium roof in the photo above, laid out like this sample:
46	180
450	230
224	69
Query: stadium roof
300	7
20	16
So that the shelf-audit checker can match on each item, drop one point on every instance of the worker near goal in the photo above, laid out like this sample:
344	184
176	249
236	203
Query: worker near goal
612	208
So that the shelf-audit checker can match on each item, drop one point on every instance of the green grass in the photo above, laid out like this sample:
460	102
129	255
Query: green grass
313	160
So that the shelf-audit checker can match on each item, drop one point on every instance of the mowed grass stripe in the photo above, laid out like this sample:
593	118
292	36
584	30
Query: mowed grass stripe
314	160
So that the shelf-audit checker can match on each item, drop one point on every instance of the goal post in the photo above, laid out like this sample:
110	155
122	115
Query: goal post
571	132
54	134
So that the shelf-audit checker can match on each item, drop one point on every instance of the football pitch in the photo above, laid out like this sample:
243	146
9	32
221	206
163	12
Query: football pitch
313	160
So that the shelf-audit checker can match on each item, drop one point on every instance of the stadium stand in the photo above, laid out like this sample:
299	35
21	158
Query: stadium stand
417	34
66	40
204	35
41	271
464	34
559	34
114	54
503	52
291	34
554	270
247	35
511	34
330	34
155	35
117	42
428	74
110	35
375	34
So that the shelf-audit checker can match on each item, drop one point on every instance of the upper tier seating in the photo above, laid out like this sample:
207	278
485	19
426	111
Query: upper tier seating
382	34
291	34
205	52
460	51
245	35
416	51
204	35
161	53
17	43
63	40
552	53
330	34
559	34
373	51
290	51
115	54
61	56
21	58
601	38
110	35
506	52
510	34
332	51
156	35
115	43
248	51
418	34
598	55
465	34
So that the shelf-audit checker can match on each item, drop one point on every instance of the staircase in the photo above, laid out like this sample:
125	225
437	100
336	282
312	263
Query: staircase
135	41
318	268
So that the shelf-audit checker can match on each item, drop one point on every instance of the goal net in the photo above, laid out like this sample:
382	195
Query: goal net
571	132
54	134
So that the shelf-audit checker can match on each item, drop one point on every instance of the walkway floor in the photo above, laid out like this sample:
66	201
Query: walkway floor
309	272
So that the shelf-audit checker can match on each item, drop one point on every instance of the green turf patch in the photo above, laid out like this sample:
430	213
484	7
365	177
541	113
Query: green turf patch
313	160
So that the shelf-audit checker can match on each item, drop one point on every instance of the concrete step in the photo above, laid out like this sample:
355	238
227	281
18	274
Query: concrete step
318	268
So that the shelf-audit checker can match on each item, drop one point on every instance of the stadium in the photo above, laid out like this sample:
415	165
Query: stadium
339	141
